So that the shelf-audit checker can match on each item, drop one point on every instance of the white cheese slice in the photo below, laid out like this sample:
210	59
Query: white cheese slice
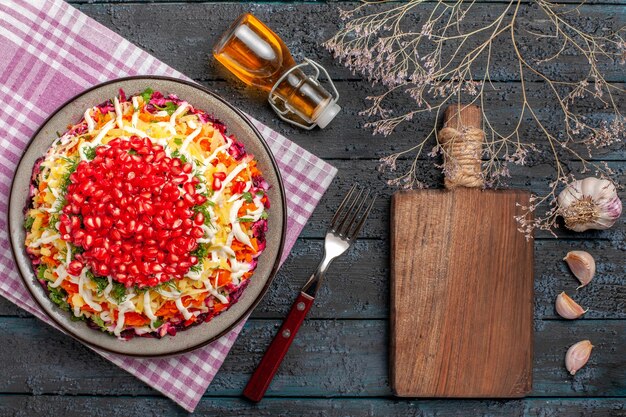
179	305
118	113
147	308
236	227
85	293
189	138
90	122
135	118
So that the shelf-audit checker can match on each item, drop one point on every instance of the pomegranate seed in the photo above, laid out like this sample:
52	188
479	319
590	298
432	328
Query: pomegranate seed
134	215
89	222
189	200
74	222
79	235
88	241
75	267
238	187
189	188
197	232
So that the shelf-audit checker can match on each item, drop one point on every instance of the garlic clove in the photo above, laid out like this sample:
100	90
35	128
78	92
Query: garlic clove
591	203
568	308
582	265
577	356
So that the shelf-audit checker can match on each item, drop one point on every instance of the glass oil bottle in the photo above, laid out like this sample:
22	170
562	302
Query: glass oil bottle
258	57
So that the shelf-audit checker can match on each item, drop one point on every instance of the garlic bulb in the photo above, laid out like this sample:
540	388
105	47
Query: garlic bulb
568	308
582	265
577	356
591	203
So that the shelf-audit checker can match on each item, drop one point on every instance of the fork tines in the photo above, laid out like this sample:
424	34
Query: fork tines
352	212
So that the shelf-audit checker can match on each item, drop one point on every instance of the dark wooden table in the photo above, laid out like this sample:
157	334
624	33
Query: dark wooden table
338	363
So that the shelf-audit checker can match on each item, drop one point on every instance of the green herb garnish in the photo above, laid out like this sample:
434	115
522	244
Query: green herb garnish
57	296
54	218
169	107
245	219
76	318
264	215
204	209
96	319
201	252
101	282
90	152
178	141
65	180
177	154
247	196
28	222
118	292
41	270
147	94
132	152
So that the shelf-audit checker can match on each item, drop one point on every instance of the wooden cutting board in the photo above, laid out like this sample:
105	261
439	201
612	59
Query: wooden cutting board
461	293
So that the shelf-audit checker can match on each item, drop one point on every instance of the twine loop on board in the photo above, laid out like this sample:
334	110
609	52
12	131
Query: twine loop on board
462	156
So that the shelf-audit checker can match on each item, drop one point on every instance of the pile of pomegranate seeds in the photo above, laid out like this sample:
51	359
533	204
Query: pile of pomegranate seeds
130	209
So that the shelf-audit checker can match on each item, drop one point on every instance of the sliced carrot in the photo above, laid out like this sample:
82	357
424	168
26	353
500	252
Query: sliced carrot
135	319
223	277
205	144
167	309
145	117
219	307
50	261
87	308
69	287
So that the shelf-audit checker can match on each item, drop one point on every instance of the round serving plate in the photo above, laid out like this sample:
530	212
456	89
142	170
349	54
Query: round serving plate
237	125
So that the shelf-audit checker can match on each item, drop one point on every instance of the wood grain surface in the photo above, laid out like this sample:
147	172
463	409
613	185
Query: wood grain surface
338	365
461	295
461	282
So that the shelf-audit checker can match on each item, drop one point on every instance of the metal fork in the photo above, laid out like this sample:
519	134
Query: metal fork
341	234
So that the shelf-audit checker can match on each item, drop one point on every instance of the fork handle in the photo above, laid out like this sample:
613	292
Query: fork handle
264	373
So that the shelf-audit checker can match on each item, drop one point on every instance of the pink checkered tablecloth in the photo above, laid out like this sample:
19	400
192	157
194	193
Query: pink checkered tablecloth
49	52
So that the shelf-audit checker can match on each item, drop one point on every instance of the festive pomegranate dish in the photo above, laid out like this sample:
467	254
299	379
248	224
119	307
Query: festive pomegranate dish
145	217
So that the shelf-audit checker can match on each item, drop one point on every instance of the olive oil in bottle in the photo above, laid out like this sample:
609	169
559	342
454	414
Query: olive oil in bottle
258	57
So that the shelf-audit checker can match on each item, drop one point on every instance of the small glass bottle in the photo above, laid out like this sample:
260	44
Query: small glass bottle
258	57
